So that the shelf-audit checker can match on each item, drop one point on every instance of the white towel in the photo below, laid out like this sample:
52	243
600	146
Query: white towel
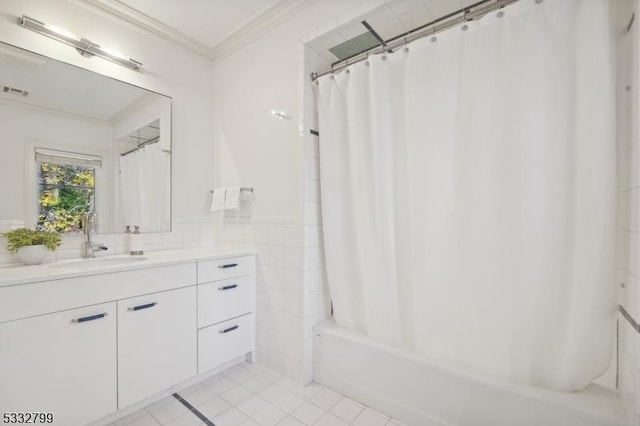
218	201
232	199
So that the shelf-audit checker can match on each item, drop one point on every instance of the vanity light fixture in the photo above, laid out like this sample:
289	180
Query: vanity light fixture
85	47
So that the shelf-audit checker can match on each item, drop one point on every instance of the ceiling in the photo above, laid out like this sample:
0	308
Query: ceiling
212	28
207	27
207	21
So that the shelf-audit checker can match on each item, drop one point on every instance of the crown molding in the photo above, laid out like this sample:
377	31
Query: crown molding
256	27
133	18
115	9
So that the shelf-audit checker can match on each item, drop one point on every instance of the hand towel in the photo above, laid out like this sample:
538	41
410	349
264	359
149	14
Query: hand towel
218	201
232	199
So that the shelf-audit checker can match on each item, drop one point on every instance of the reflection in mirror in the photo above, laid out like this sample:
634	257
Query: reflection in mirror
54	115
144	169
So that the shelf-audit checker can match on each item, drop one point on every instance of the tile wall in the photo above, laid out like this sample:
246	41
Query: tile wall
628	95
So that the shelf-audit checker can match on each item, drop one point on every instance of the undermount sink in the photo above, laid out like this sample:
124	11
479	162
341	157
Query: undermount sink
100	261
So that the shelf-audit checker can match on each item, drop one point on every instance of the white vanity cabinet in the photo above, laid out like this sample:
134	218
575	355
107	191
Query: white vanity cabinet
226	301
63	363
84	345
156	343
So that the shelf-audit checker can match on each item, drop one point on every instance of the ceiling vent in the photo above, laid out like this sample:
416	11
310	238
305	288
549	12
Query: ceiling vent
14	91
357	44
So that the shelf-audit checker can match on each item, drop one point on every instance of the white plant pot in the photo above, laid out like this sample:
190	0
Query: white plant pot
32	255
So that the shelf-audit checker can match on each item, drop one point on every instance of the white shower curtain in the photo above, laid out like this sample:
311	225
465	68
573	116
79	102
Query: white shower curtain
468	194
143	186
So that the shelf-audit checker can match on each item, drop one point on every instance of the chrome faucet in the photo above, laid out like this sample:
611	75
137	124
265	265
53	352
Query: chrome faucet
88	227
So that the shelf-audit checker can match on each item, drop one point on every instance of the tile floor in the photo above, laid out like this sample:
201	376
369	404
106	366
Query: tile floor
252	395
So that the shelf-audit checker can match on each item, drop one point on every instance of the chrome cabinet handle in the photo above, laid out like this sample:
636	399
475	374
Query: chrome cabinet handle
89	318
226	330
228	265
139	307
227	287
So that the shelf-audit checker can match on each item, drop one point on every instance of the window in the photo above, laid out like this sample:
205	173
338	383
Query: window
66	188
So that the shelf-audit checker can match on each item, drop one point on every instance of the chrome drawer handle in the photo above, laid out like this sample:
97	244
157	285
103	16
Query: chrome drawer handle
89	318
228	287
228	265
139	307
226	330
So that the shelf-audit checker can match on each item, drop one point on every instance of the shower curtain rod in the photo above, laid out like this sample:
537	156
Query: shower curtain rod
470	13
142	145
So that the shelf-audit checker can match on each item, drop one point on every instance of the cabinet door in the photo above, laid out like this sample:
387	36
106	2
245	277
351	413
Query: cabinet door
156	343
63	363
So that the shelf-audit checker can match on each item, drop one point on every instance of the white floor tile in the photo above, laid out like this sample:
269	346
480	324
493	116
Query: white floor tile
370	417
161	403
252	405
290	421
253	395
269	416
170	411
288	402
308	413
304	392
188	419
346	409
272	393
147	420
219	383
214	407
240	374
236	394
256	383
330	420
231	417
126	420
324	399
255	368
271	375
197	394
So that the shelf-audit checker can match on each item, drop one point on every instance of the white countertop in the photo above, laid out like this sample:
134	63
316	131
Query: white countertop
15	274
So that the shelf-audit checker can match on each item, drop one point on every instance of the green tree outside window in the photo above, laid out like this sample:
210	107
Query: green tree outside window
65	192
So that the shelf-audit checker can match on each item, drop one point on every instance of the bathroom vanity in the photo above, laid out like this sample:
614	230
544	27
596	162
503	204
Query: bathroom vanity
83	339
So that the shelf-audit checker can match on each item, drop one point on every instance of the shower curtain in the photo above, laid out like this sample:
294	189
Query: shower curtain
468	194
143	187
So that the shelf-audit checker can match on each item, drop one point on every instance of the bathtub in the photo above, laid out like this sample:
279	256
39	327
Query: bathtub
420	392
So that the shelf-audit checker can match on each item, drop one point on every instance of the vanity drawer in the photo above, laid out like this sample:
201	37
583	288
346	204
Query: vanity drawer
221	269
26	300
224	342
221	300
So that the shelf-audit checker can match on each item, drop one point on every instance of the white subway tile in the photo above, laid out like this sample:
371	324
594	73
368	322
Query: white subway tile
312	213
294	258
276	234
294	235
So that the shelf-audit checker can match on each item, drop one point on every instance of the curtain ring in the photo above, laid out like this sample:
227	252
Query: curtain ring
406	49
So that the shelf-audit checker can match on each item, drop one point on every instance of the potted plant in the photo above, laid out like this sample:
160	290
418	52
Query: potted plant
31	245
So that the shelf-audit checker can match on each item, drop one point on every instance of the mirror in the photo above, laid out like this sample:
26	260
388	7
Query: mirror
74	140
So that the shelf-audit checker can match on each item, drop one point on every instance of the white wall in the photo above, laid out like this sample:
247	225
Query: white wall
168	69
279	158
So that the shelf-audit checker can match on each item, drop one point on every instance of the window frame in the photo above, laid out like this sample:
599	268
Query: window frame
103	199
